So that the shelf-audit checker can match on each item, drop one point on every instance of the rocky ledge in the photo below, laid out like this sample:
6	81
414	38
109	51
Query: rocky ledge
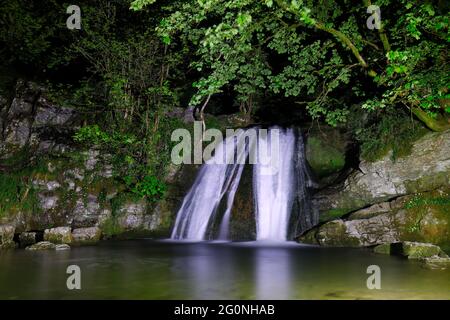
52	189
389	201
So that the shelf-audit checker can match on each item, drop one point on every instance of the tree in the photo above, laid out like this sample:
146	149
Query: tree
322	54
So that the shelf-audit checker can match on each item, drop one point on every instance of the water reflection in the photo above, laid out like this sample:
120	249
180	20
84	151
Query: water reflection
155	270
273	278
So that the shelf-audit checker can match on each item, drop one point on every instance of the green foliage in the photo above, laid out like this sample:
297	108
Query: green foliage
419	201
149	187
317	53
385	132
17	193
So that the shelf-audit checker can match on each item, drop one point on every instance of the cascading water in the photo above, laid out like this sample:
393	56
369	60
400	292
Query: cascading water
220	175
280	182
273	184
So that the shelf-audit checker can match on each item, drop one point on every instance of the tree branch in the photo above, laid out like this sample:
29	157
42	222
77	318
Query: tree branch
338	34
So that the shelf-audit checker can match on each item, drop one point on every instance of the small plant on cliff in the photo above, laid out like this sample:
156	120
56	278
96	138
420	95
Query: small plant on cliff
419	201
384	132
149	187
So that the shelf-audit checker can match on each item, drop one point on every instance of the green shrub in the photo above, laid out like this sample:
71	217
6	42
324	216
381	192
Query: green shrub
391	130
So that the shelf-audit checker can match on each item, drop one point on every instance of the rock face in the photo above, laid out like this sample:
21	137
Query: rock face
63	184
6	237
83	236
325	150
426	168
59	235
31	122
421	217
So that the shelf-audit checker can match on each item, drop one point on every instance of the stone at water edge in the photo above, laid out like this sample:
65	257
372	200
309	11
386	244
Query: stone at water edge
436	262
27	239
383	248
84	236
7	237
62	247
58	235
42	245
418	250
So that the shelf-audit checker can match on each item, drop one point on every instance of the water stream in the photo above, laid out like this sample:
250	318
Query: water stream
279	182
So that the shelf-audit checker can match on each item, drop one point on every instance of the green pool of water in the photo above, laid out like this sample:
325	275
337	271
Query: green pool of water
146	269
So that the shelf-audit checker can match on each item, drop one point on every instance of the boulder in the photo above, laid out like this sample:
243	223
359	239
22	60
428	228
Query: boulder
27	239
42	245
7	237
325	150
426	168
85	236
421	218
436	262
58	235
62	247
383	248
417	250
383	228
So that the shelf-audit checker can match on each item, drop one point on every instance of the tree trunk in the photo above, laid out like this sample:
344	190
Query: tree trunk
434	124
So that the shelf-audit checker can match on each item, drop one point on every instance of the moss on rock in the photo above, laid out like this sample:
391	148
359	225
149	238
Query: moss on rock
383	248
334	233
324	157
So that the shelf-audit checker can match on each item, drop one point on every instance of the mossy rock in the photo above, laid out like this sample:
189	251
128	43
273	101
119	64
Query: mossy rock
417	250
428	218
383	248
6	237
334	233
325	150
324	159
43	245
333	214
59	235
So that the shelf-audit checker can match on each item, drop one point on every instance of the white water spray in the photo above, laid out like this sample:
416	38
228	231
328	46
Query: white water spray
274	187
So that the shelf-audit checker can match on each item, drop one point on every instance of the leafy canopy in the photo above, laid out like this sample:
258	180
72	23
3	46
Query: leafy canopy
322	54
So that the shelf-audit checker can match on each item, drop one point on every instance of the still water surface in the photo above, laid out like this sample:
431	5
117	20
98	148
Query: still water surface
146	269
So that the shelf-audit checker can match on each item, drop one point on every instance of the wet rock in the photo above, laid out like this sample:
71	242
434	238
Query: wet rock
62	247
379	229
42	245
436	262
422	217
334	233
27	239
59	235
383	248
86	236
417	250
426	168
7	237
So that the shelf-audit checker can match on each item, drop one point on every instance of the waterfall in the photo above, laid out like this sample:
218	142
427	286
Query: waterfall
220	175
280	182
274	187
